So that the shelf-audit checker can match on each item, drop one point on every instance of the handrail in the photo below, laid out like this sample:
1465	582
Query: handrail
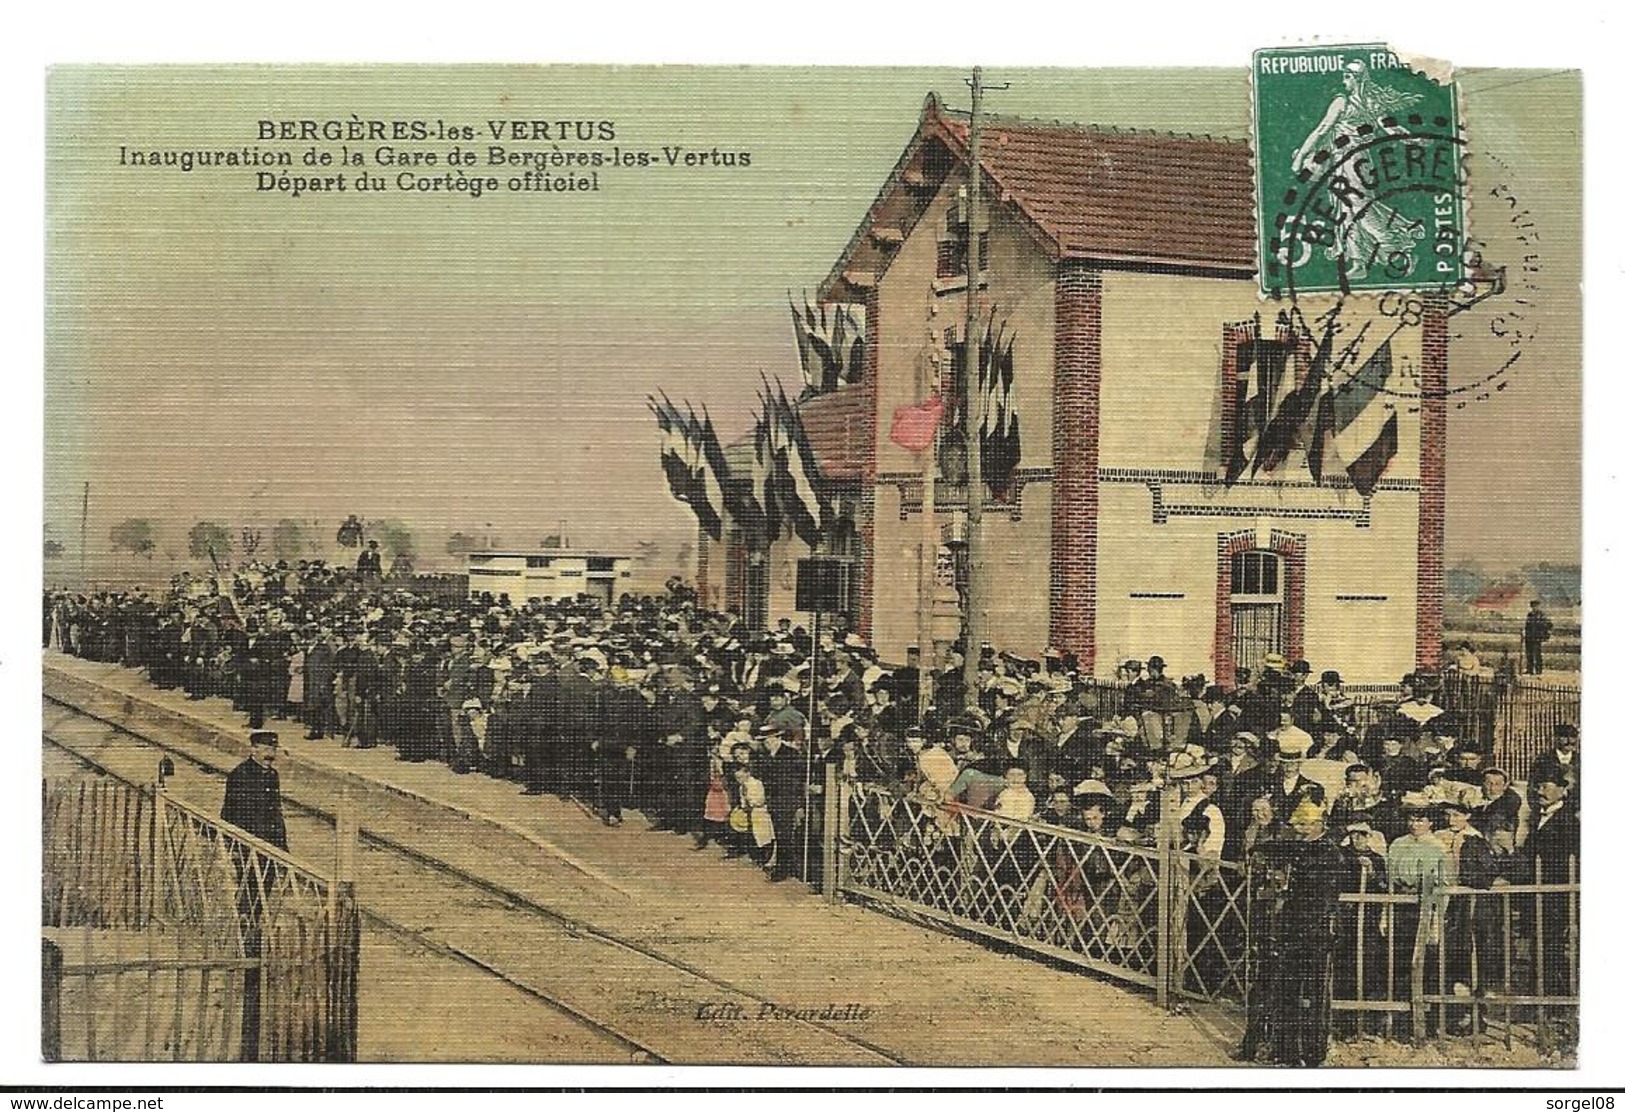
258	845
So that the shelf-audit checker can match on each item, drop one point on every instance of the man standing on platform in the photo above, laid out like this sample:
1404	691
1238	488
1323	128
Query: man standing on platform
1303	1013
254	792
253	804
1537	630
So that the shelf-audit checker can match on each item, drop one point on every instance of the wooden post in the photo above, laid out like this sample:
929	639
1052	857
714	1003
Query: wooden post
50	1001
1166	959
1424	927
833	786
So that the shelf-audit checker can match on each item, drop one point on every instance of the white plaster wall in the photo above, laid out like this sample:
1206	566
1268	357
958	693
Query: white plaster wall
1369	642
1161	352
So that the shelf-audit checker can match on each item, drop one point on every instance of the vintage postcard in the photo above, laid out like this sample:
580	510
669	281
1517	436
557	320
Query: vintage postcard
812	566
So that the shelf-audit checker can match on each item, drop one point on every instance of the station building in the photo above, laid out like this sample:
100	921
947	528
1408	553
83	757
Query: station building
549	575
1124	265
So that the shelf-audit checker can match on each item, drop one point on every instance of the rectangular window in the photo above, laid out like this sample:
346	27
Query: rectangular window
600	563
1252	380
951	256
538	561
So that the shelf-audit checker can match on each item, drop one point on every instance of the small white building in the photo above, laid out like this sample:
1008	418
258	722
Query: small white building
554	574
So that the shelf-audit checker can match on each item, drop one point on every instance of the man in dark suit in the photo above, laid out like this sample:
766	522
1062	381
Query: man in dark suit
782	768
1561	761
254	804
254	792
1554	842
1502	809
320	668
1537	630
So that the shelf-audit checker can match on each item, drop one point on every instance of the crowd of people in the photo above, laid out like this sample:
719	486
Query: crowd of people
700	724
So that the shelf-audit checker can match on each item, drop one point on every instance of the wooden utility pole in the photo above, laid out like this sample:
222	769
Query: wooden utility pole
975	600
926	601
84	528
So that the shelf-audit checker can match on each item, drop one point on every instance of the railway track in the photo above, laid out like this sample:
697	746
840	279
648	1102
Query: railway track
425	901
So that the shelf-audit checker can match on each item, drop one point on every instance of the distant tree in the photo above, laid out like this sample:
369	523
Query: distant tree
685	553
552	540
1555	584
287	539
208	539
53	549
461	544
134	535
402	566
394	537
1465	580
351	532
252	539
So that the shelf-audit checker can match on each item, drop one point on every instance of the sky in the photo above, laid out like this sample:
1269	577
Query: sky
482	364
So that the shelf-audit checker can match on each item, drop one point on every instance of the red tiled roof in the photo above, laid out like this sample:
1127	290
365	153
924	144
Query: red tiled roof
1124	197
1131	196
837	427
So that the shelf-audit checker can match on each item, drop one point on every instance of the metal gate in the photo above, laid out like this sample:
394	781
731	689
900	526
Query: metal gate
1090	901
1184	925
170	936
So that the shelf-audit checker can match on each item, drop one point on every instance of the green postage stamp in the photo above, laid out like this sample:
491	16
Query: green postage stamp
1360	172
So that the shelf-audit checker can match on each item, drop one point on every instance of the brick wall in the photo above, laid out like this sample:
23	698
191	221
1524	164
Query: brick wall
1235	335
1075	509
1430	524
1224	664
1292	548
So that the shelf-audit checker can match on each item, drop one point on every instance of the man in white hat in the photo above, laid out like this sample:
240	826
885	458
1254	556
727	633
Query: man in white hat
1289	786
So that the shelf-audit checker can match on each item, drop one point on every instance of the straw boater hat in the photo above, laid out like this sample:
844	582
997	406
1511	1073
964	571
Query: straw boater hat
1189	762
1292	744
1092	791
1413	803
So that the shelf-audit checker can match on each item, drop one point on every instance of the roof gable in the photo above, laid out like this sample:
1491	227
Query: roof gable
1131	198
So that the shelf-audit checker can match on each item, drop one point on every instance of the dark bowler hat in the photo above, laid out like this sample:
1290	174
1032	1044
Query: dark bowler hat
262	737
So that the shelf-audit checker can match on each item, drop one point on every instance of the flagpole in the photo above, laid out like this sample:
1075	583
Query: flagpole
974	601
